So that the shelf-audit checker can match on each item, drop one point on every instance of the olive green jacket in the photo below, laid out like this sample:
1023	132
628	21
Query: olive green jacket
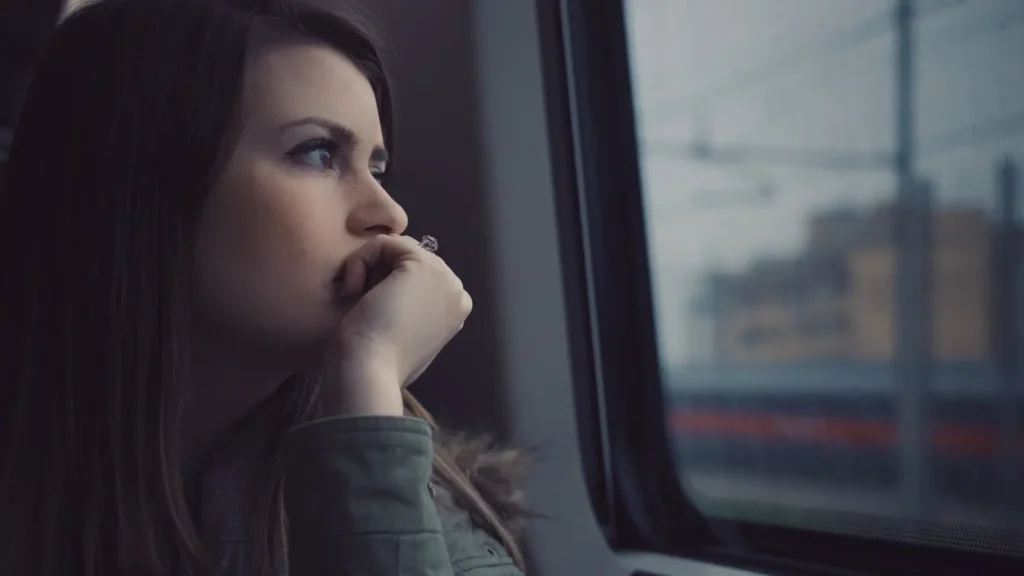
357	500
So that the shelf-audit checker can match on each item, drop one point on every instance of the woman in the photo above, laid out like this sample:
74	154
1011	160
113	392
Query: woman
210	312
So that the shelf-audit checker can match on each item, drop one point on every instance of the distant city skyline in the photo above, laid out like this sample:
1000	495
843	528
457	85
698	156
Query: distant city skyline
763	73
835	299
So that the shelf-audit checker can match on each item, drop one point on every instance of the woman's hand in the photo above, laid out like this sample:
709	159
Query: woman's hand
392	329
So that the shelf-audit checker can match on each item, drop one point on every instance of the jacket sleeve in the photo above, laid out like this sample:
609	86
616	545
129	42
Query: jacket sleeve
357	501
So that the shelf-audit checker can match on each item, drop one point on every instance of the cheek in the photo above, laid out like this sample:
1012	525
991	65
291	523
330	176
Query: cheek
269	244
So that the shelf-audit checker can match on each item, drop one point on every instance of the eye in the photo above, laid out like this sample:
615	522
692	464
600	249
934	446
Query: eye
380	174
320	154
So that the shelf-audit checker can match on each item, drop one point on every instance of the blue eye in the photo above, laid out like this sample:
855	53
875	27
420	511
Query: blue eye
319	154
320	158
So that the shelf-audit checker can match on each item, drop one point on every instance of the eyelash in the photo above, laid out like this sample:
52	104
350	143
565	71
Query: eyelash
330	146
333	149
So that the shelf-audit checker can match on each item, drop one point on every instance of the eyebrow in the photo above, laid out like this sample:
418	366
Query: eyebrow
345	136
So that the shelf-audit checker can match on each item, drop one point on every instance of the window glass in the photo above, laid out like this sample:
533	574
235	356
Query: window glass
832	195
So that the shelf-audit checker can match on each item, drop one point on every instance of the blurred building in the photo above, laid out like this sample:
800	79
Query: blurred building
836	300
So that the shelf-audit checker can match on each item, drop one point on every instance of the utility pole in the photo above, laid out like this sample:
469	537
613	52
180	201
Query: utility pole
913	283
1007	323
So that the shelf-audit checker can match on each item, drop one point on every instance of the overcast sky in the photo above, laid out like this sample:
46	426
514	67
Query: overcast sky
770	72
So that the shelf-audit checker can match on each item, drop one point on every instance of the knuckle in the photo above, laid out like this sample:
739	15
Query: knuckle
438	261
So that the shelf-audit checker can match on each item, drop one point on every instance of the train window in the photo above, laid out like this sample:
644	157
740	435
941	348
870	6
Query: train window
802	229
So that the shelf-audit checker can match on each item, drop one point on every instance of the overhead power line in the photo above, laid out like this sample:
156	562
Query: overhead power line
819	49
988	130
832	159
810	157
932	46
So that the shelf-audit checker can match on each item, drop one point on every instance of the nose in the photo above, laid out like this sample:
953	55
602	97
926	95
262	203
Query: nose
377	213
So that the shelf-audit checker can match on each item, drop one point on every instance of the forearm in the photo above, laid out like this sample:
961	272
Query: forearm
357	501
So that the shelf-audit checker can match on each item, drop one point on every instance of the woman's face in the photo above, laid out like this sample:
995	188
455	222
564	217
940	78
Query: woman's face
298	195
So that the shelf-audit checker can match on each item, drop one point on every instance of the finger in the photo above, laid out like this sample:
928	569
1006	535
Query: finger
383	251
427	254
354	274
409	240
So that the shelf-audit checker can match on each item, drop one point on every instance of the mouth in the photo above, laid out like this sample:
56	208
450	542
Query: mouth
337	289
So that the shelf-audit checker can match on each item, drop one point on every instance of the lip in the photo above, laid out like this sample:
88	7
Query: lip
337	289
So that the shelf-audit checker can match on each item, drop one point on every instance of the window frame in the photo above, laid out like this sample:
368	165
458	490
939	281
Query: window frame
627	454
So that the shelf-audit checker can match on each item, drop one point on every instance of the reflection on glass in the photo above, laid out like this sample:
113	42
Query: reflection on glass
833	204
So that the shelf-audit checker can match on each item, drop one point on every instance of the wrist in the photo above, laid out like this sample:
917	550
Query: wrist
362	389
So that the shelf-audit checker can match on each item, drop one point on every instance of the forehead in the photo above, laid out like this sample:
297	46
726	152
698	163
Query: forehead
296	80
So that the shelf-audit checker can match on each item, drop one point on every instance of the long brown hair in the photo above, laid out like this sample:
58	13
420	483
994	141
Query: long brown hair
121	135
